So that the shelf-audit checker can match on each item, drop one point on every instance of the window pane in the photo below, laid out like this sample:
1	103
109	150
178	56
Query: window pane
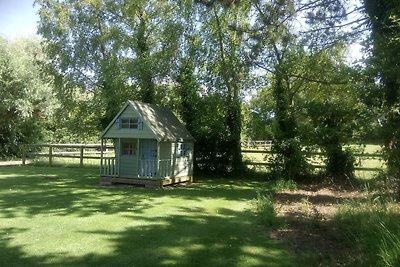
131	123
124	123
128	149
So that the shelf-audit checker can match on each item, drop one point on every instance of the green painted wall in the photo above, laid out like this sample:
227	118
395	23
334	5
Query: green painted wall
183	165
165	150
128	164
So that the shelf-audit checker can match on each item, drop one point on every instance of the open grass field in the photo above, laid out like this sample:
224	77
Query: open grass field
61	217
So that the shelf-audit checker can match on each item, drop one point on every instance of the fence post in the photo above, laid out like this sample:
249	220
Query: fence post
50	155
81	159
23	154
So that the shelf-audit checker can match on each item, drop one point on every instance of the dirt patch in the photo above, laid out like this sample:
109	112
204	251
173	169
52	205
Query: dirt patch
308	214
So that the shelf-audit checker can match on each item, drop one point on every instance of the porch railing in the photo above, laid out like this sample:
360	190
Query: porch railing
164	166
109	167
148	168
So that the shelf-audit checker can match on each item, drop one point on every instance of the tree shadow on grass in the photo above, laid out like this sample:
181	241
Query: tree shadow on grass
184	236
65	191
230	239
13	255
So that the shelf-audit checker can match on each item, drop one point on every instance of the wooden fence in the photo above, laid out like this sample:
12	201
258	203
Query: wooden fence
72	151
257	143
313	154
93	151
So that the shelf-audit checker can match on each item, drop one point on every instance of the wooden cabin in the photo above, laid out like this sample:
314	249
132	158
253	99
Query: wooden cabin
152	147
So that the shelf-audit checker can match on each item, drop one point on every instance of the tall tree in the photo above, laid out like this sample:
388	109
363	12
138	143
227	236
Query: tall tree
384	19
27	98
117	49
278	39
226	64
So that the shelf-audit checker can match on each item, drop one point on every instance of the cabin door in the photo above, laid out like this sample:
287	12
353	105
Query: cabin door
128	158
149	157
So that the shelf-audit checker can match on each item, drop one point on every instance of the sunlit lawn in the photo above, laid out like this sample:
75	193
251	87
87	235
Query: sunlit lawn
62	217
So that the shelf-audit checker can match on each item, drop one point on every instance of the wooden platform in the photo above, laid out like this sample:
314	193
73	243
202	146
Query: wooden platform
146	182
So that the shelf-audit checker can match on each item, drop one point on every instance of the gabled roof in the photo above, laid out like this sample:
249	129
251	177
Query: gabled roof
161	121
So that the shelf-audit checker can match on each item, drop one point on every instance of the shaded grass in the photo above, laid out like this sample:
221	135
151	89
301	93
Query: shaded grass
372	229
61	217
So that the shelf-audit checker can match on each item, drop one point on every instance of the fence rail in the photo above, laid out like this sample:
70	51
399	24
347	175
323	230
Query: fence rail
81	152
257	143
312	154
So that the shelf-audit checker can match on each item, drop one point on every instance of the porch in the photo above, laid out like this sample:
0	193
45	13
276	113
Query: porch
147	169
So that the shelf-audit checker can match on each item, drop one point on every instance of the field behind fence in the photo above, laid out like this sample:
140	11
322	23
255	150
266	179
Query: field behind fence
256	155
369	158
67	154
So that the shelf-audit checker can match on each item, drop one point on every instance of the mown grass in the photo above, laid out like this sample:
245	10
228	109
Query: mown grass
62	217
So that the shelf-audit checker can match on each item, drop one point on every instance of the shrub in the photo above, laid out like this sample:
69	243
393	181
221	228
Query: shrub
265	209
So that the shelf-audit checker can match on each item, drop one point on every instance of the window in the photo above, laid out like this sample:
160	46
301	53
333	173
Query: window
183	150
129	149
130	123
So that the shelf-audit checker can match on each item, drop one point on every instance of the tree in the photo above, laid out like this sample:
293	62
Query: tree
280	43
226	68
27	98
116	49
384	19
334	112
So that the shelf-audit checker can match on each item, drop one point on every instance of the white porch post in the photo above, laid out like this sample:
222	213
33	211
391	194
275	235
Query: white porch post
101	157
139	168
117	154
158	159
173	162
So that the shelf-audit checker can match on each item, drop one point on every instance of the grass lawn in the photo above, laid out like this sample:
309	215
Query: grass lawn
62	217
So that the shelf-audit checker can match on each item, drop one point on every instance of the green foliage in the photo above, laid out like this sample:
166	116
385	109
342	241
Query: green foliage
289	162
115	50
265	210
27	101
372	230
390	246
257	116
385	47
339	163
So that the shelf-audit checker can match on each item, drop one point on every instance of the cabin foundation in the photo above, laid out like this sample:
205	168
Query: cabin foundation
145	182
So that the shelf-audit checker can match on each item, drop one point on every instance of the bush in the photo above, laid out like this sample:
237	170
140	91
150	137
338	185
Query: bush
265	209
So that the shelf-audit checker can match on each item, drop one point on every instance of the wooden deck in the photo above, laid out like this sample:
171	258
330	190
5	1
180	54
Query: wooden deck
146	182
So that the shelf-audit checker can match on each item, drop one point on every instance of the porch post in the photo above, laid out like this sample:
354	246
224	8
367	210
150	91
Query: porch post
139	168
158	159
101	157
118	155
173	160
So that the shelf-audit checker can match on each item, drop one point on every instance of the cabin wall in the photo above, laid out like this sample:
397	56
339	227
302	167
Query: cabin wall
182	166
129	112
165	150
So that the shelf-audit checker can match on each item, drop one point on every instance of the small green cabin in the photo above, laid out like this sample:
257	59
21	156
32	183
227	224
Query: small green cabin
152	147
